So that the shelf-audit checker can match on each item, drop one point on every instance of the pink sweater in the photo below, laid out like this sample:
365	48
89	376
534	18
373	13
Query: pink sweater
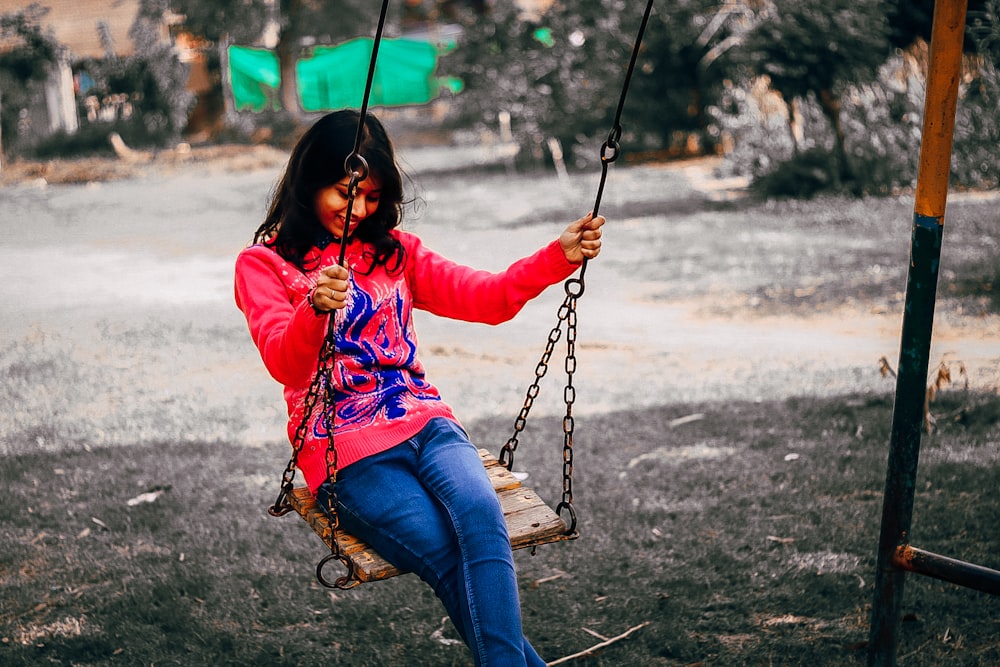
382	396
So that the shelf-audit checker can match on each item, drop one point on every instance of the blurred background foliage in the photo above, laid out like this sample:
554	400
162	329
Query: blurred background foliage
801	96
24	63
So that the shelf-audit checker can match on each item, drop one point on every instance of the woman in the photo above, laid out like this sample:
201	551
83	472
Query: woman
409	482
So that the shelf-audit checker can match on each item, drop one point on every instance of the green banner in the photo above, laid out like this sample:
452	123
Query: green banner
334	77
254	77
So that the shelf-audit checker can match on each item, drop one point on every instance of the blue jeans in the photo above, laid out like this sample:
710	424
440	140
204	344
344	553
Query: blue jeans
427	506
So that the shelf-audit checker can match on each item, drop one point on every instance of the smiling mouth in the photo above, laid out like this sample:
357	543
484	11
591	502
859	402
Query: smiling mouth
342	224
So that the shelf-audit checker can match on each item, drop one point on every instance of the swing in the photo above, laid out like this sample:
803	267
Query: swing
530	521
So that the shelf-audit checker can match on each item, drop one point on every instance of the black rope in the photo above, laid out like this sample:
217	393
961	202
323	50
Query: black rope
611	148
354	164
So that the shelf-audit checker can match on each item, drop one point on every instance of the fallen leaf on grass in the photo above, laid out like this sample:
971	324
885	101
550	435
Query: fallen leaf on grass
147	497
787	619
438	635
544	580
143	498
680	421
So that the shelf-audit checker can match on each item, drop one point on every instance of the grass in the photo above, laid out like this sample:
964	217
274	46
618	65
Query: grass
746	537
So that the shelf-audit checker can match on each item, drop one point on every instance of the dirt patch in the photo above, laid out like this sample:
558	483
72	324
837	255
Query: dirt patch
142	164
699	295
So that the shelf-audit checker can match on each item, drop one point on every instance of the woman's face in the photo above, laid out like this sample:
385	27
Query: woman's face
331	203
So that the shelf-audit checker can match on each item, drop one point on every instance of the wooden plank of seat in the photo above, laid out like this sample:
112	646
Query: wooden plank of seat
530	522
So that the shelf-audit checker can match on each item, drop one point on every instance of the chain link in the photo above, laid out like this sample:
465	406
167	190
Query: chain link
569	396
566	315
506	456
281	504
322	382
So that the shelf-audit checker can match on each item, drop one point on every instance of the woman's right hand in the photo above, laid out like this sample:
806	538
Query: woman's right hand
330	291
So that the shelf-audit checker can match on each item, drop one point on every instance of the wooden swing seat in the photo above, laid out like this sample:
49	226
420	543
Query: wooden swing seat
530	522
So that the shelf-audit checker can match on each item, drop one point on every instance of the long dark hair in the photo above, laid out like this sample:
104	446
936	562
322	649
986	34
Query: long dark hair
317	162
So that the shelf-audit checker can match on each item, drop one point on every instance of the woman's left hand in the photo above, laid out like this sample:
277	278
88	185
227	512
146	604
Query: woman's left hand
582	238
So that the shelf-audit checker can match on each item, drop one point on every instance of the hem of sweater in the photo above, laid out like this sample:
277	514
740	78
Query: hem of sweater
368	442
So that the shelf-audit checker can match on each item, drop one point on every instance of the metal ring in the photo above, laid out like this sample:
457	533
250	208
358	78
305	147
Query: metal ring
572	515
349	163
613	147
614	136
343	583
574	287
319	570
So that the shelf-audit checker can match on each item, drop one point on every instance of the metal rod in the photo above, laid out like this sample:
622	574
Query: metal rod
918	316
947	569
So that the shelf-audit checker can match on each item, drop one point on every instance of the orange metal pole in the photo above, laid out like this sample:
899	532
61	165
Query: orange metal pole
940	100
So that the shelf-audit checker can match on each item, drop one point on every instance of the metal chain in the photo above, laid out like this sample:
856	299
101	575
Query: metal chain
506	456
350	579
567	314
569	396
321	382
281	505
575	287
356	166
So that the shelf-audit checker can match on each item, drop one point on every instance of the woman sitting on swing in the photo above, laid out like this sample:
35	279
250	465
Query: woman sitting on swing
409	482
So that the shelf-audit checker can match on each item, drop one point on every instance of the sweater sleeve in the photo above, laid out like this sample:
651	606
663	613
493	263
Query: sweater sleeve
283	326
449	289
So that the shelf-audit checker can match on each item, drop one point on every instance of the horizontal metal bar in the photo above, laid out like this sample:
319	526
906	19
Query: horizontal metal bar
947	569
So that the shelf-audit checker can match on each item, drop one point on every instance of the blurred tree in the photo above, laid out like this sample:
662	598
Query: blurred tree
551	73
165	76
817	48
984	29
141	95
912	20
28	62
683	66
909	20
241	20
216	23
977	123
296	25
559	74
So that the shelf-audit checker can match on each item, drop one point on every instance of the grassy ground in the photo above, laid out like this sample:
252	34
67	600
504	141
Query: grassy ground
743	532
745	537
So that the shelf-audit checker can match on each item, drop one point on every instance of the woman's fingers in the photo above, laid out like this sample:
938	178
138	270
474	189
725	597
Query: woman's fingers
590	240
330	292
582	238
